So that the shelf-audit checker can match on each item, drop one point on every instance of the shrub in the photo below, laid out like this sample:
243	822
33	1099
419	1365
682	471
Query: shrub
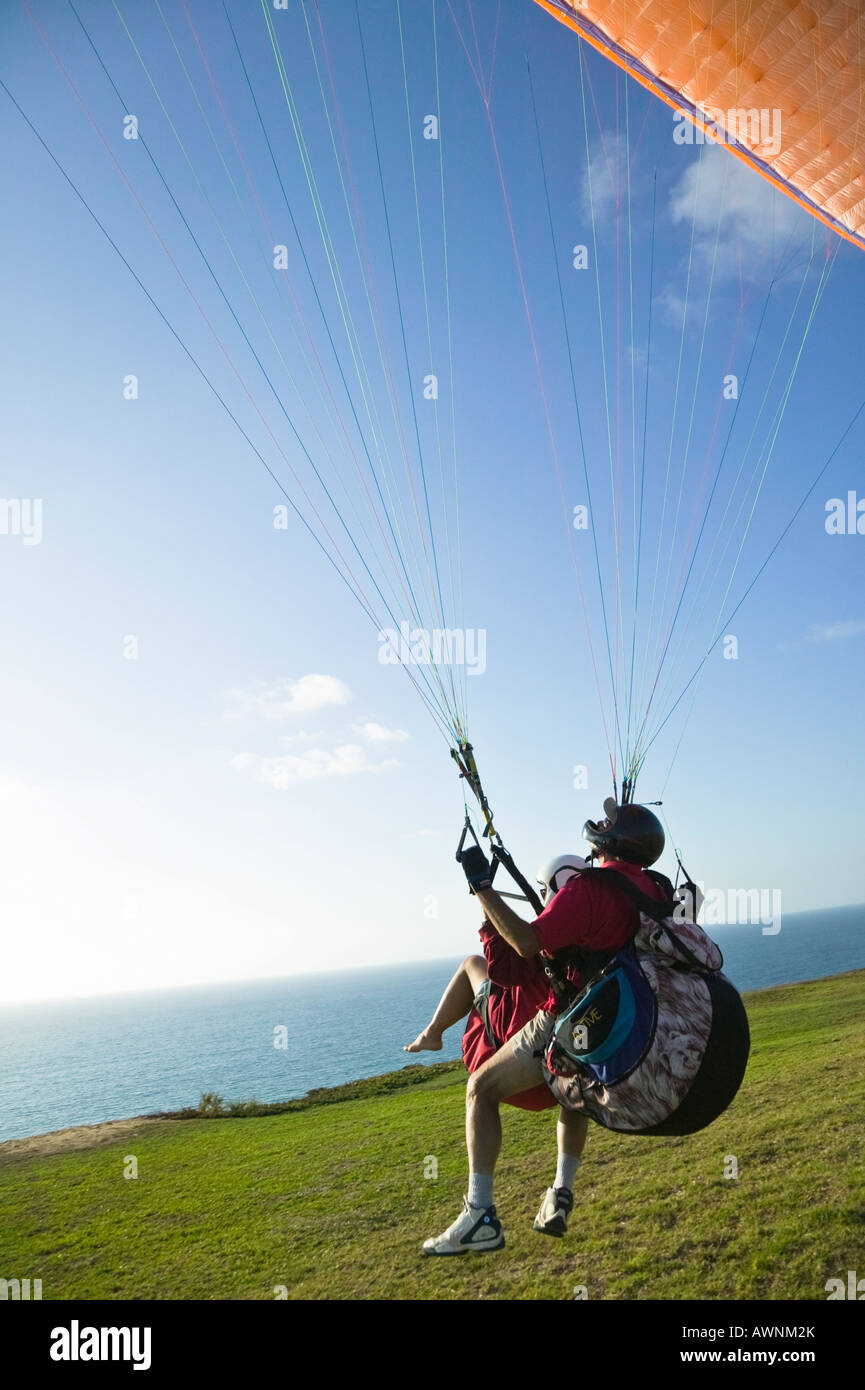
211	1104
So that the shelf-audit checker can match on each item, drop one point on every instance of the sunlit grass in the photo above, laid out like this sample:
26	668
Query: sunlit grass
331	1201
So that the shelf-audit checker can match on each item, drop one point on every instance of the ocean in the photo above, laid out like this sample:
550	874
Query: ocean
85	1061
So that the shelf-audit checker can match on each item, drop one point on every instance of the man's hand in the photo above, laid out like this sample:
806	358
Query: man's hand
476	868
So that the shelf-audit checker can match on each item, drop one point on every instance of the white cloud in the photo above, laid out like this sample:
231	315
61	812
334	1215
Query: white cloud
346	760
671	305
605	182
297	763
287	698
302	736
724	198
377	733
835	632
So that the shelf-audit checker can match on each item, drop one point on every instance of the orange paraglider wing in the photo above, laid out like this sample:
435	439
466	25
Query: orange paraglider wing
779	82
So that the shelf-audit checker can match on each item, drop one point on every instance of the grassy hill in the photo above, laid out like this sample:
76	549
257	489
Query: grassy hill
330	1201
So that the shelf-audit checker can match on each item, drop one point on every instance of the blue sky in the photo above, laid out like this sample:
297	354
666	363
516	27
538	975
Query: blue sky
207	810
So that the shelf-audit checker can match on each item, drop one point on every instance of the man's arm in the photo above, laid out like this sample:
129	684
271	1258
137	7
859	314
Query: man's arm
511	928
518	934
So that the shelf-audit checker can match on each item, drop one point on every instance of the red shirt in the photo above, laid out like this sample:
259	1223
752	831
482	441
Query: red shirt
587	913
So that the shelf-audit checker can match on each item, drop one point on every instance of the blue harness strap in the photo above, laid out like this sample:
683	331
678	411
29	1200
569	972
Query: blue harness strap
611	1026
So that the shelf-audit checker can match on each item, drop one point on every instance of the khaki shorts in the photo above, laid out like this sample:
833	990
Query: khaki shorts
533	1037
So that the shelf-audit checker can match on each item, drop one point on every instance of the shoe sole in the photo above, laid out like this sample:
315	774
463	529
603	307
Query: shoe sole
468	1250
558	1230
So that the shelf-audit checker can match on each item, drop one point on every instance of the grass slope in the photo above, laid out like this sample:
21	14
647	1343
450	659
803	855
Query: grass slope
331	1201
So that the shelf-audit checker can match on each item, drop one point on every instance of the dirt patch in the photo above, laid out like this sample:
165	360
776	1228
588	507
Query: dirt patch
67	1140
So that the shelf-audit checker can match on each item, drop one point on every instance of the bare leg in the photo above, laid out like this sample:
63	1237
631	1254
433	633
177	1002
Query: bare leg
502	1076
454	1005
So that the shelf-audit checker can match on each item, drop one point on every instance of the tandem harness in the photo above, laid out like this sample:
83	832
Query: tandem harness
595	1020
657	1040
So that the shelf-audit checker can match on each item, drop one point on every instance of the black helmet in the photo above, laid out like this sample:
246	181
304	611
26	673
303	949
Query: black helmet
632	833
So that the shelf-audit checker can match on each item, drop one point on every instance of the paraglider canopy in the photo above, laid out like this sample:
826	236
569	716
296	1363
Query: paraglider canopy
777	82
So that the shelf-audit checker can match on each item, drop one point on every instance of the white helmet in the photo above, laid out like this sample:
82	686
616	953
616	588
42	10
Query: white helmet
555	874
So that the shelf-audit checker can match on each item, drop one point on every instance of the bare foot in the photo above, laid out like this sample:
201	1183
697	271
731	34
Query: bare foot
425	1042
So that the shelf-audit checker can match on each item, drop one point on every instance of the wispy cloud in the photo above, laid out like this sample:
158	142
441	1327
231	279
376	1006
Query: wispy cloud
606	179
377	733
302	736
835	632
671	305
285	699
726	200
306	756
346	760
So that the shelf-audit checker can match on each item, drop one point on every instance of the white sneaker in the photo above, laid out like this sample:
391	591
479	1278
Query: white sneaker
552	1219
475	1229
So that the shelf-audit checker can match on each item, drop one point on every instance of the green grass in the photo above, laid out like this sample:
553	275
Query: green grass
330	1199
